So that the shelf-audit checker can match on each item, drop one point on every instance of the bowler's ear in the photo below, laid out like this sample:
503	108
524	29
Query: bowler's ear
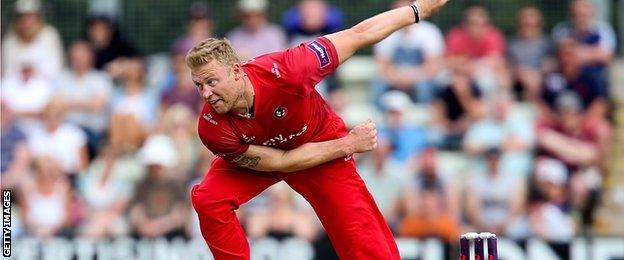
238	71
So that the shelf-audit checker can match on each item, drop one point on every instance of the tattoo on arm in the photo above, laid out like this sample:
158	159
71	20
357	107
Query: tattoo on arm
247	162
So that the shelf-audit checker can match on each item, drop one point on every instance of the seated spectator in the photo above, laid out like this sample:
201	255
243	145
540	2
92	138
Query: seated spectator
572	138
31	38
572	75
200	26
384	177
283	218
530	53
107	189
311	19
550	213
109	45
179	88
405	139
308	20
480	47
432	220
409	59
133	108
64	142
256	35
496	200
46	200
15	156
455	108
84	92
178	123
503	128
158	208
27	94
595	40
429	204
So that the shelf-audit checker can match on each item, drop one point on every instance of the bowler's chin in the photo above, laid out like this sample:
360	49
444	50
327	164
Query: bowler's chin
220	109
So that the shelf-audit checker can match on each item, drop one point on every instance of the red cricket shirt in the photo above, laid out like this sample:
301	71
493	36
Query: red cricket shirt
288	111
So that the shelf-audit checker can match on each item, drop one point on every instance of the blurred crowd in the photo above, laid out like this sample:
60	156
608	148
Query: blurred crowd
96	143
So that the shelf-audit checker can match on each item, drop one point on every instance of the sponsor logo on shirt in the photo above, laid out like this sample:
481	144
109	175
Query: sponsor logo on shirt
321	53
275	70
280	112
280	138
208	117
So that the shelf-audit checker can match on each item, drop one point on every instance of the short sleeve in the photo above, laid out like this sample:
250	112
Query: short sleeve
310	62
220	137
434	43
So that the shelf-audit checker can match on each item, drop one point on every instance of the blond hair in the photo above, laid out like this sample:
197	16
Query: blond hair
209	50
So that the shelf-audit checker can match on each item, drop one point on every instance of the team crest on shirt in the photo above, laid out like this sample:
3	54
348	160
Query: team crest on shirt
280	112
321	53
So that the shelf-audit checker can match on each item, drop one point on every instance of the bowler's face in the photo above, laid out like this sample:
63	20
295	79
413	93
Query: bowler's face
215	83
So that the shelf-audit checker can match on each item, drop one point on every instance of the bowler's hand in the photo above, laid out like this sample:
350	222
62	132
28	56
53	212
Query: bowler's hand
363	137
429	7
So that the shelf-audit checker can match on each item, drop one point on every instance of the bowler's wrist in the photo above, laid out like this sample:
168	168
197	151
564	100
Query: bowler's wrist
345	145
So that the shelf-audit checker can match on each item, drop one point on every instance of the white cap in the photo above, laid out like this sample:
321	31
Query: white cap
395	100
252	5
27	6
551	170
160	150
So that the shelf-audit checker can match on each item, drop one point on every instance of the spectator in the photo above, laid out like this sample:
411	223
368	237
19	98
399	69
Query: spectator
405	139
496	200
200	26
530	53
27	95
31	38
133	106
283	218
595	40
480	47
456	106
158	207
573	76
109	45
430	202
572	138
432	220
85	93
550	214
385	178
178	123
64	142
409	59
107	189
179	88
257	35
505	129
311	19
46	199
15	157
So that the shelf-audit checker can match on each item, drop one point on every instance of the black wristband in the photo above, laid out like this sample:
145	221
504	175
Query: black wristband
416	12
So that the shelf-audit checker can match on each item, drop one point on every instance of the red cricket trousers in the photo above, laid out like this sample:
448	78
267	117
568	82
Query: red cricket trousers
335	190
